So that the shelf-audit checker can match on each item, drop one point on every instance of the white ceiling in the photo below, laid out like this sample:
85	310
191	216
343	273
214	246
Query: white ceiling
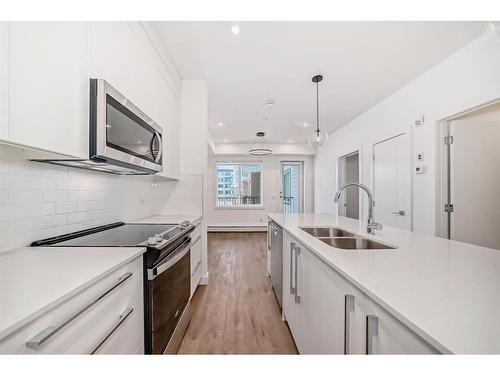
362	63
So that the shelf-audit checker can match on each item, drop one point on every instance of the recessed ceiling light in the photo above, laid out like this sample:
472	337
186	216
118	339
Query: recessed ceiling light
225	141
270	104
139	142
235	29
220	124
290	141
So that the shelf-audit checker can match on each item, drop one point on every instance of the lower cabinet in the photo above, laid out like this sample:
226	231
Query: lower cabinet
105	318
328	315
196	250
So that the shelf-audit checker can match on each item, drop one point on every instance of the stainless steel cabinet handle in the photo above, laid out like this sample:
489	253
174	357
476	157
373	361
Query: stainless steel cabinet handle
48	332
121	319
371	330
292	247
297	253
170	260
348	308
399	212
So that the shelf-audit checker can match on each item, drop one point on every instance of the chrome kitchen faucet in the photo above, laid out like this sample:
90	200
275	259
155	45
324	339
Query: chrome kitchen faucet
371	226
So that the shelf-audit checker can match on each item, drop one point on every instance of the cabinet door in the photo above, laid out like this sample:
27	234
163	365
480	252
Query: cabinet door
384	334
303	285
117	53
168	118
48	87
311	309
4	80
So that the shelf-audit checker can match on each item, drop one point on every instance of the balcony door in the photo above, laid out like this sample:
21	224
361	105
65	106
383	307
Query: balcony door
292	187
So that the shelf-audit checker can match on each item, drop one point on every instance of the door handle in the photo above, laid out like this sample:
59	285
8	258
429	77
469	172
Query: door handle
399	212
348	308
371	330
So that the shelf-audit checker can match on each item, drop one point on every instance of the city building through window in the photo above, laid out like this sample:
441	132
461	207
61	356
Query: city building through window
239	184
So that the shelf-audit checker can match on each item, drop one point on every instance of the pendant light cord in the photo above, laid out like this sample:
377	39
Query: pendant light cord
317	108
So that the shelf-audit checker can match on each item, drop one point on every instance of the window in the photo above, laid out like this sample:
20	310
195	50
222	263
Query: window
239	185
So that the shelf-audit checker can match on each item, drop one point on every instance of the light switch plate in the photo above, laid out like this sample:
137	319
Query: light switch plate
420	169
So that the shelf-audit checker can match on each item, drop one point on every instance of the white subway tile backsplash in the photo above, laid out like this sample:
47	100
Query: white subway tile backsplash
54	195
40	200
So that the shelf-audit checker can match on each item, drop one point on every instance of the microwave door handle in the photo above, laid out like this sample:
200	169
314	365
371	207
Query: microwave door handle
160	147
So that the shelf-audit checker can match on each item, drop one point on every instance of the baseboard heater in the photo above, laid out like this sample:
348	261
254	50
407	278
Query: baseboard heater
237	228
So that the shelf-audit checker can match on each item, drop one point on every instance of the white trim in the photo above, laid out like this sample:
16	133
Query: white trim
442	129
204	279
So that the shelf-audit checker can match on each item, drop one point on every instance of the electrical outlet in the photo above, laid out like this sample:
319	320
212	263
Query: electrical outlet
420	157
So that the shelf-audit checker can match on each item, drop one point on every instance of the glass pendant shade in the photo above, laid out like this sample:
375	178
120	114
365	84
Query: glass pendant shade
317	139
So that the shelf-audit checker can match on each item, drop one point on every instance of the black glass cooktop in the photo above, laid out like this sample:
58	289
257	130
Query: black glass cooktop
118	235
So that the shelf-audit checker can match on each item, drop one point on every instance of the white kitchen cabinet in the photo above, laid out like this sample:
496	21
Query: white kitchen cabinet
303	296
387	335
48	86
328	314
4	80
196	250
106	317
169	120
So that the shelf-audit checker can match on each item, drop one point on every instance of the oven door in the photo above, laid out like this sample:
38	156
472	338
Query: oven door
121	132
169	286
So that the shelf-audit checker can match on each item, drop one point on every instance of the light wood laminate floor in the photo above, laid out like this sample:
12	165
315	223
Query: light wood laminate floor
237	312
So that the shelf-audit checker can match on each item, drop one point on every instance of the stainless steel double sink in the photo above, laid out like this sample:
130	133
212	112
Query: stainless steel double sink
342	239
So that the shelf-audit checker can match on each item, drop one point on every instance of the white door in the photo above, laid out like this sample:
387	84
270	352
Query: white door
392	181
475	177
292	183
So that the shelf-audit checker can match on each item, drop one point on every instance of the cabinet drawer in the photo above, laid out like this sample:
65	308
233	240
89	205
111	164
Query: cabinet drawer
120	331
195	278
196	233
78	316
195	255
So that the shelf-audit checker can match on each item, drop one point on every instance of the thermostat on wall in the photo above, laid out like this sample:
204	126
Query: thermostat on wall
420	169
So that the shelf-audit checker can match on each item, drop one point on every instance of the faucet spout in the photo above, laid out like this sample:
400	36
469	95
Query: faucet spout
371	225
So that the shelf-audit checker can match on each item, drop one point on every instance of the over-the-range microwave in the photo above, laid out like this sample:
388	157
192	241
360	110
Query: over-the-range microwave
122	138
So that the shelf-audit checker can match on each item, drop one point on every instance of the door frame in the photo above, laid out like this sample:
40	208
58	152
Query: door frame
341	175
410	151
302	184
444	169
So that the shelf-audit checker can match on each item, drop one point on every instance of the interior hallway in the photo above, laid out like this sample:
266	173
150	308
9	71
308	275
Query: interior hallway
237	312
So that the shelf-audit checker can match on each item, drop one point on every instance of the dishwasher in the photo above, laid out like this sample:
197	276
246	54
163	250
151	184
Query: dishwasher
276	242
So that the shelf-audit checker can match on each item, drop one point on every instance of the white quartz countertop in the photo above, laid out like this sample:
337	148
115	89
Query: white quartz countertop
168	219
33	280
446	291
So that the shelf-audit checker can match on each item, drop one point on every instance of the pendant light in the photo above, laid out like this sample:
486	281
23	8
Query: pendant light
260	146
317	138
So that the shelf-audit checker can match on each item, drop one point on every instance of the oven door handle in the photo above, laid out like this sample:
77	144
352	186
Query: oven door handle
170	261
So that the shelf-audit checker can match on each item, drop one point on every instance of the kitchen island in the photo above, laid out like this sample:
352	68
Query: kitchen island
445	292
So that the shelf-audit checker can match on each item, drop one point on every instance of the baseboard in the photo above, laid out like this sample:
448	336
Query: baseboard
236	228
204	280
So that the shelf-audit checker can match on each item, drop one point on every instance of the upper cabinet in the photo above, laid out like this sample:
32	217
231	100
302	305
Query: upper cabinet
45	69
4	80
48	86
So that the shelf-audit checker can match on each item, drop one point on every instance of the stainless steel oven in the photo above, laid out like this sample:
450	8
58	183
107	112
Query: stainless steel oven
120	132
168	292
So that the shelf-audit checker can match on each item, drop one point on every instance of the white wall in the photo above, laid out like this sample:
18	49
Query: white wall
466	79
39	200
271	183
